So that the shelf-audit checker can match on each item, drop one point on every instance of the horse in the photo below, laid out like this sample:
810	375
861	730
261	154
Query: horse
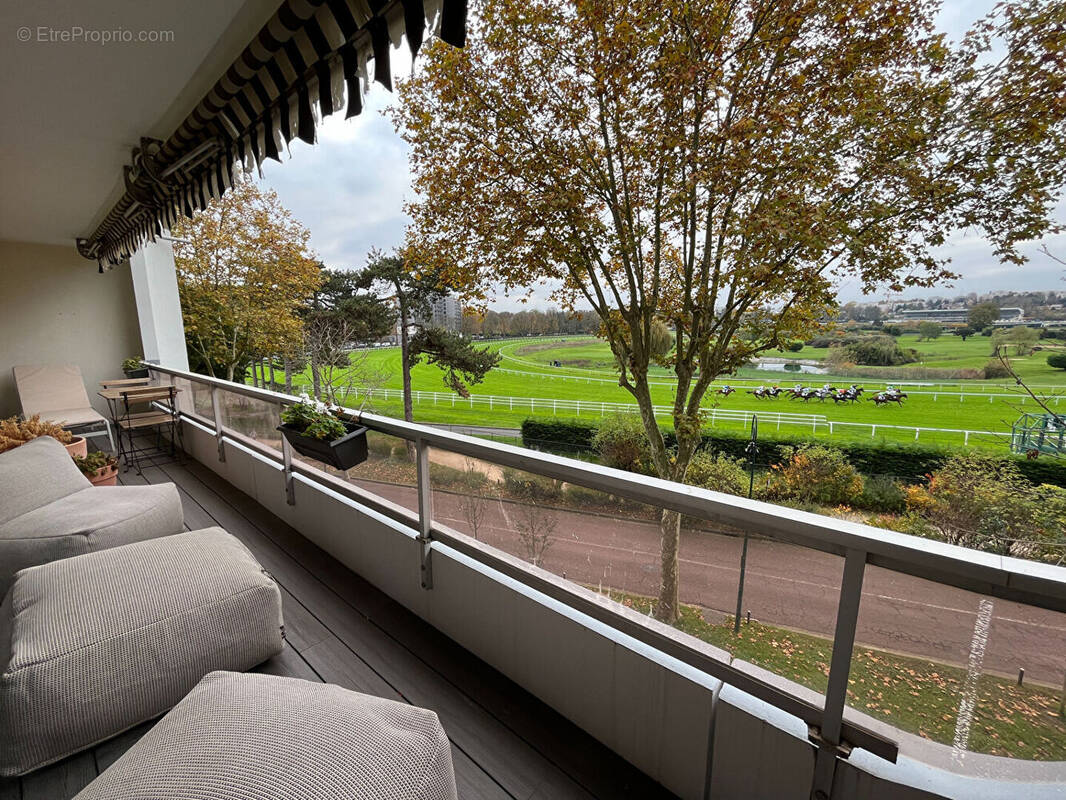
884	398
762	393
849	395
725	391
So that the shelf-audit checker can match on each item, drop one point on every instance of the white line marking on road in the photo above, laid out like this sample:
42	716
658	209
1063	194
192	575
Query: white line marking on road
973	671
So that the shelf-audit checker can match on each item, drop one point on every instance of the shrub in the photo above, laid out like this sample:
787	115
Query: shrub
929	330
719	473
978	501
879	351
823	341
461	480
527	486
995	369
839	358
1049	517
988	331
380	444
1057	360
622	443
795	346
558	435
583	496
812	473
881	493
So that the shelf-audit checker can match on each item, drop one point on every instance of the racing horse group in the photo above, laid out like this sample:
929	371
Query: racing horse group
851	394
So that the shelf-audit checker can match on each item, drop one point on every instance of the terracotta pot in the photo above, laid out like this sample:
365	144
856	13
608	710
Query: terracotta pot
78	447
105	476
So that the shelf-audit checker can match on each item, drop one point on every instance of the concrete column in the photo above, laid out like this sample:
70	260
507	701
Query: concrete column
155	287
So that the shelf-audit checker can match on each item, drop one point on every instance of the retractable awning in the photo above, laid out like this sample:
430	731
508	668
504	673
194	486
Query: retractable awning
311	55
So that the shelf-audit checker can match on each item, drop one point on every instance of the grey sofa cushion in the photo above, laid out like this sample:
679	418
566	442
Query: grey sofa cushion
49	510
263	737
36	474
104	641
93	519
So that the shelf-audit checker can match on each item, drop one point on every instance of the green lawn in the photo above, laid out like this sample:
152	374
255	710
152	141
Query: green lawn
914	694
585	375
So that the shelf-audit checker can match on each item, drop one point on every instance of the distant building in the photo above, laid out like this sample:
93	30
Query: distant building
953	315
445	313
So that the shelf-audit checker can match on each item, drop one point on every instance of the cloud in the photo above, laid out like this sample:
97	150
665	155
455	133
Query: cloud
349	190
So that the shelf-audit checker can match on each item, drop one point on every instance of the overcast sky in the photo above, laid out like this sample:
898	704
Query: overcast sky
350	187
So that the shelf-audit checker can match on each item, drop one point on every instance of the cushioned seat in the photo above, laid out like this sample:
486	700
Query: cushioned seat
76	417
98	643
57	392
263	737
49	510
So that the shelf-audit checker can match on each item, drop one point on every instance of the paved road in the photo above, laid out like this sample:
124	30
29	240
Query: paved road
477	430
786	585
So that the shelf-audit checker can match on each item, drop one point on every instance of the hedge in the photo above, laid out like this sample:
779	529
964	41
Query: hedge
907	462
558	435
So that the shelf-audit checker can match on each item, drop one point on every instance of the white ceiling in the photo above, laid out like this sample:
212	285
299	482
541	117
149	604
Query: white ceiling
72	111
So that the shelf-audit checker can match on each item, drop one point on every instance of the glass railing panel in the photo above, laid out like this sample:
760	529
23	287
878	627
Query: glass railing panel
944	664
194	397
788	606
600	541
250	417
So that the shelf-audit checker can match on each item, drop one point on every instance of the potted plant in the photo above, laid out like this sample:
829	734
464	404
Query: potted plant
14	433
100	468
313	430
133	369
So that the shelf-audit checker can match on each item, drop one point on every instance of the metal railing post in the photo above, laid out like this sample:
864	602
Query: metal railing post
217	413
286	460
827	738
425	513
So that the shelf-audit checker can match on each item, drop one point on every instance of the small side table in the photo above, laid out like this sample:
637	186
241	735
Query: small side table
122	397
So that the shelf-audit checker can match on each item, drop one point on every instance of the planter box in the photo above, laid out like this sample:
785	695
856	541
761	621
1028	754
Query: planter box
137	373
78	447
342	453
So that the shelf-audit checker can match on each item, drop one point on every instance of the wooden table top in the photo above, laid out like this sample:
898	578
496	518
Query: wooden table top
138	392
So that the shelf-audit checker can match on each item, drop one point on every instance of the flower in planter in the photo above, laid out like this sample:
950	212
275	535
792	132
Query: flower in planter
132	364
314	419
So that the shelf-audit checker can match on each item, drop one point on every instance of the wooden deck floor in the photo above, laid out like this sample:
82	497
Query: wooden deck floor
340	629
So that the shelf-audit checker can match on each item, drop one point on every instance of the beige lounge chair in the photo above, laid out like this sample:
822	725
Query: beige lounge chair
58	393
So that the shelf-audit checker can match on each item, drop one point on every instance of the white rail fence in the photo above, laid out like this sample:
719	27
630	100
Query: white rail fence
748	384
814	422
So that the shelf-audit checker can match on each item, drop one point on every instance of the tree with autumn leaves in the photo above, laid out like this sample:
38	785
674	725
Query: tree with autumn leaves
718	167
245	272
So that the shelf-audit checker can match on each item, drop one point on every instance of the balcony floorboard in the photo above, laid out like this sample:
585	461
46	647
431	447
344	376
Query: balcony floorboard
340	629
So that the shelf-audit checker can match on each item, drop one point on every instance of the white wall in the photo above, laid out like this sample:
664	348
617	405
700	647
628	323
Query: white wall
155	287
56	308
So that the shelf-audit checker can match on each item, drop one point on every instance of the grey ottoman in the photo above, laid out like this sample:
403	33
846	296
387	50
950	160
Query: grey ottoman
98	643
263	737
49	510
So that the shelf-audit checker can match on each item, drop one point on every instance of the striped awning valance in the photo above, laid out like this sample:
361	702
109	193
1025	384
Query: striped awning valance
312	59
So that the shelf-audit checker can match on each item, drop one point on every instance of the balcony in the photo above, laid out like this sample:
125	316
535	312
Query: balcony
546	687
